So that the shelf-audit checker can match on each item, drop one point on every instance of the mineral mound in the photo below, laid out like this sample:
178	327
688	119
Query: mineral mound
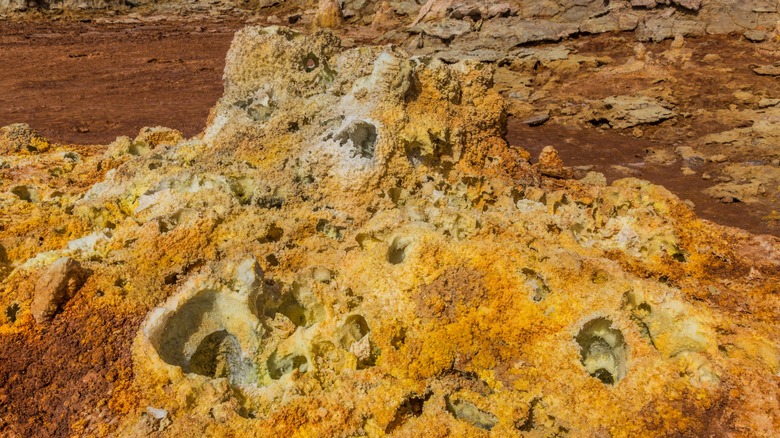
351	248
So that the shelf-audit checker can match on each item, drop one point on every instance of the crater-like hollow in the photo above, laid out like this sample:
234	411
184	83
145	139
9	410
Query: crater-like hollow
355	339
293	310
396	254
219	355
310	63
411	407
361	136
11	312
329	230
354	329
138	148
602	350
26	193
211	334
280	366
297	303
468	412
538	286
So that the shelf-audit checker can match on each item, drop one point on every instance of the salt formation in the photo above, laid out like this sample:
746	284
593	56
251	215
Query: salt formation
351	248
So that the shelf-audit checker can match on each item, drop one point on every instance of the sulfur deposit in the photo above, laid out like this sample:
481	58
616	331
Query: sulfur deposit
351	248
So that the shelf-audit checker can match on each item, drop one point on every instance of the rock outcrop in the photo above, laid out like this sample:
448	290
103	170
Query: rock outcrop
472	25
352	248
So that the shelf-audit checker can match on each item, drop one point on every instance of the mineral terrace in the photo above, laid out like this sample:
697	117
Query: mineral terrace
352	248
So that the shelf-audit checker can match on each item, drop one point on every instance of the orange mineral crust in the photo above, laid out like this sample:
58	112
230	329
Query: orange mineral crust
352	248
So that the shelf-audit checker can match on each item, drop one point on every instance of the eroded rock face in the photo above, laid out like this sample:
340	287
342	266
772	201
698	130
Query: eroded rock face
469	26
352	248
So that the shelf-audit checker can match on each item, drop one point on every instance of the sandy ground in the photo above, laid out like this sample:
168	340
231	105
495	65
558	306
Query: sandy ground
87	83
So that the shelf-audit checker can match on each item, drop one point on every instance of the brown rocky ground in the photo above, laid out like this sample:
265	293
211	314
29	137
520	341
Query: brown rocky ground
713	87
87	82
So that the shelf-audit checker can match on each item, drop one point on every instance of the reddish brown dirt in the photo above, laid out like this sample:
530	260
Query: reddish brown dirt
88	83
52	376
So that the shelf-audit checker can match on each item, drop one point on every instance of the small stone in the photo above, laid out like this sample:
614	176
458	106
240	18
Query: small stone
537	119
534	194
644	3
744	96
154	420
660	156
693	5
56	286
755	36
550	164
156	413
767	70
687	171
445	30
621	112
766	103
719	158
678	42
691	158
322	275
249	275
711	58
623	170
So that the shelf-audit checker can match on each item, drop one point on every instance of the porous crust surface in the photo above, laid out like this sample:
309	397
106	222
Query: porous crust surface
351	248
